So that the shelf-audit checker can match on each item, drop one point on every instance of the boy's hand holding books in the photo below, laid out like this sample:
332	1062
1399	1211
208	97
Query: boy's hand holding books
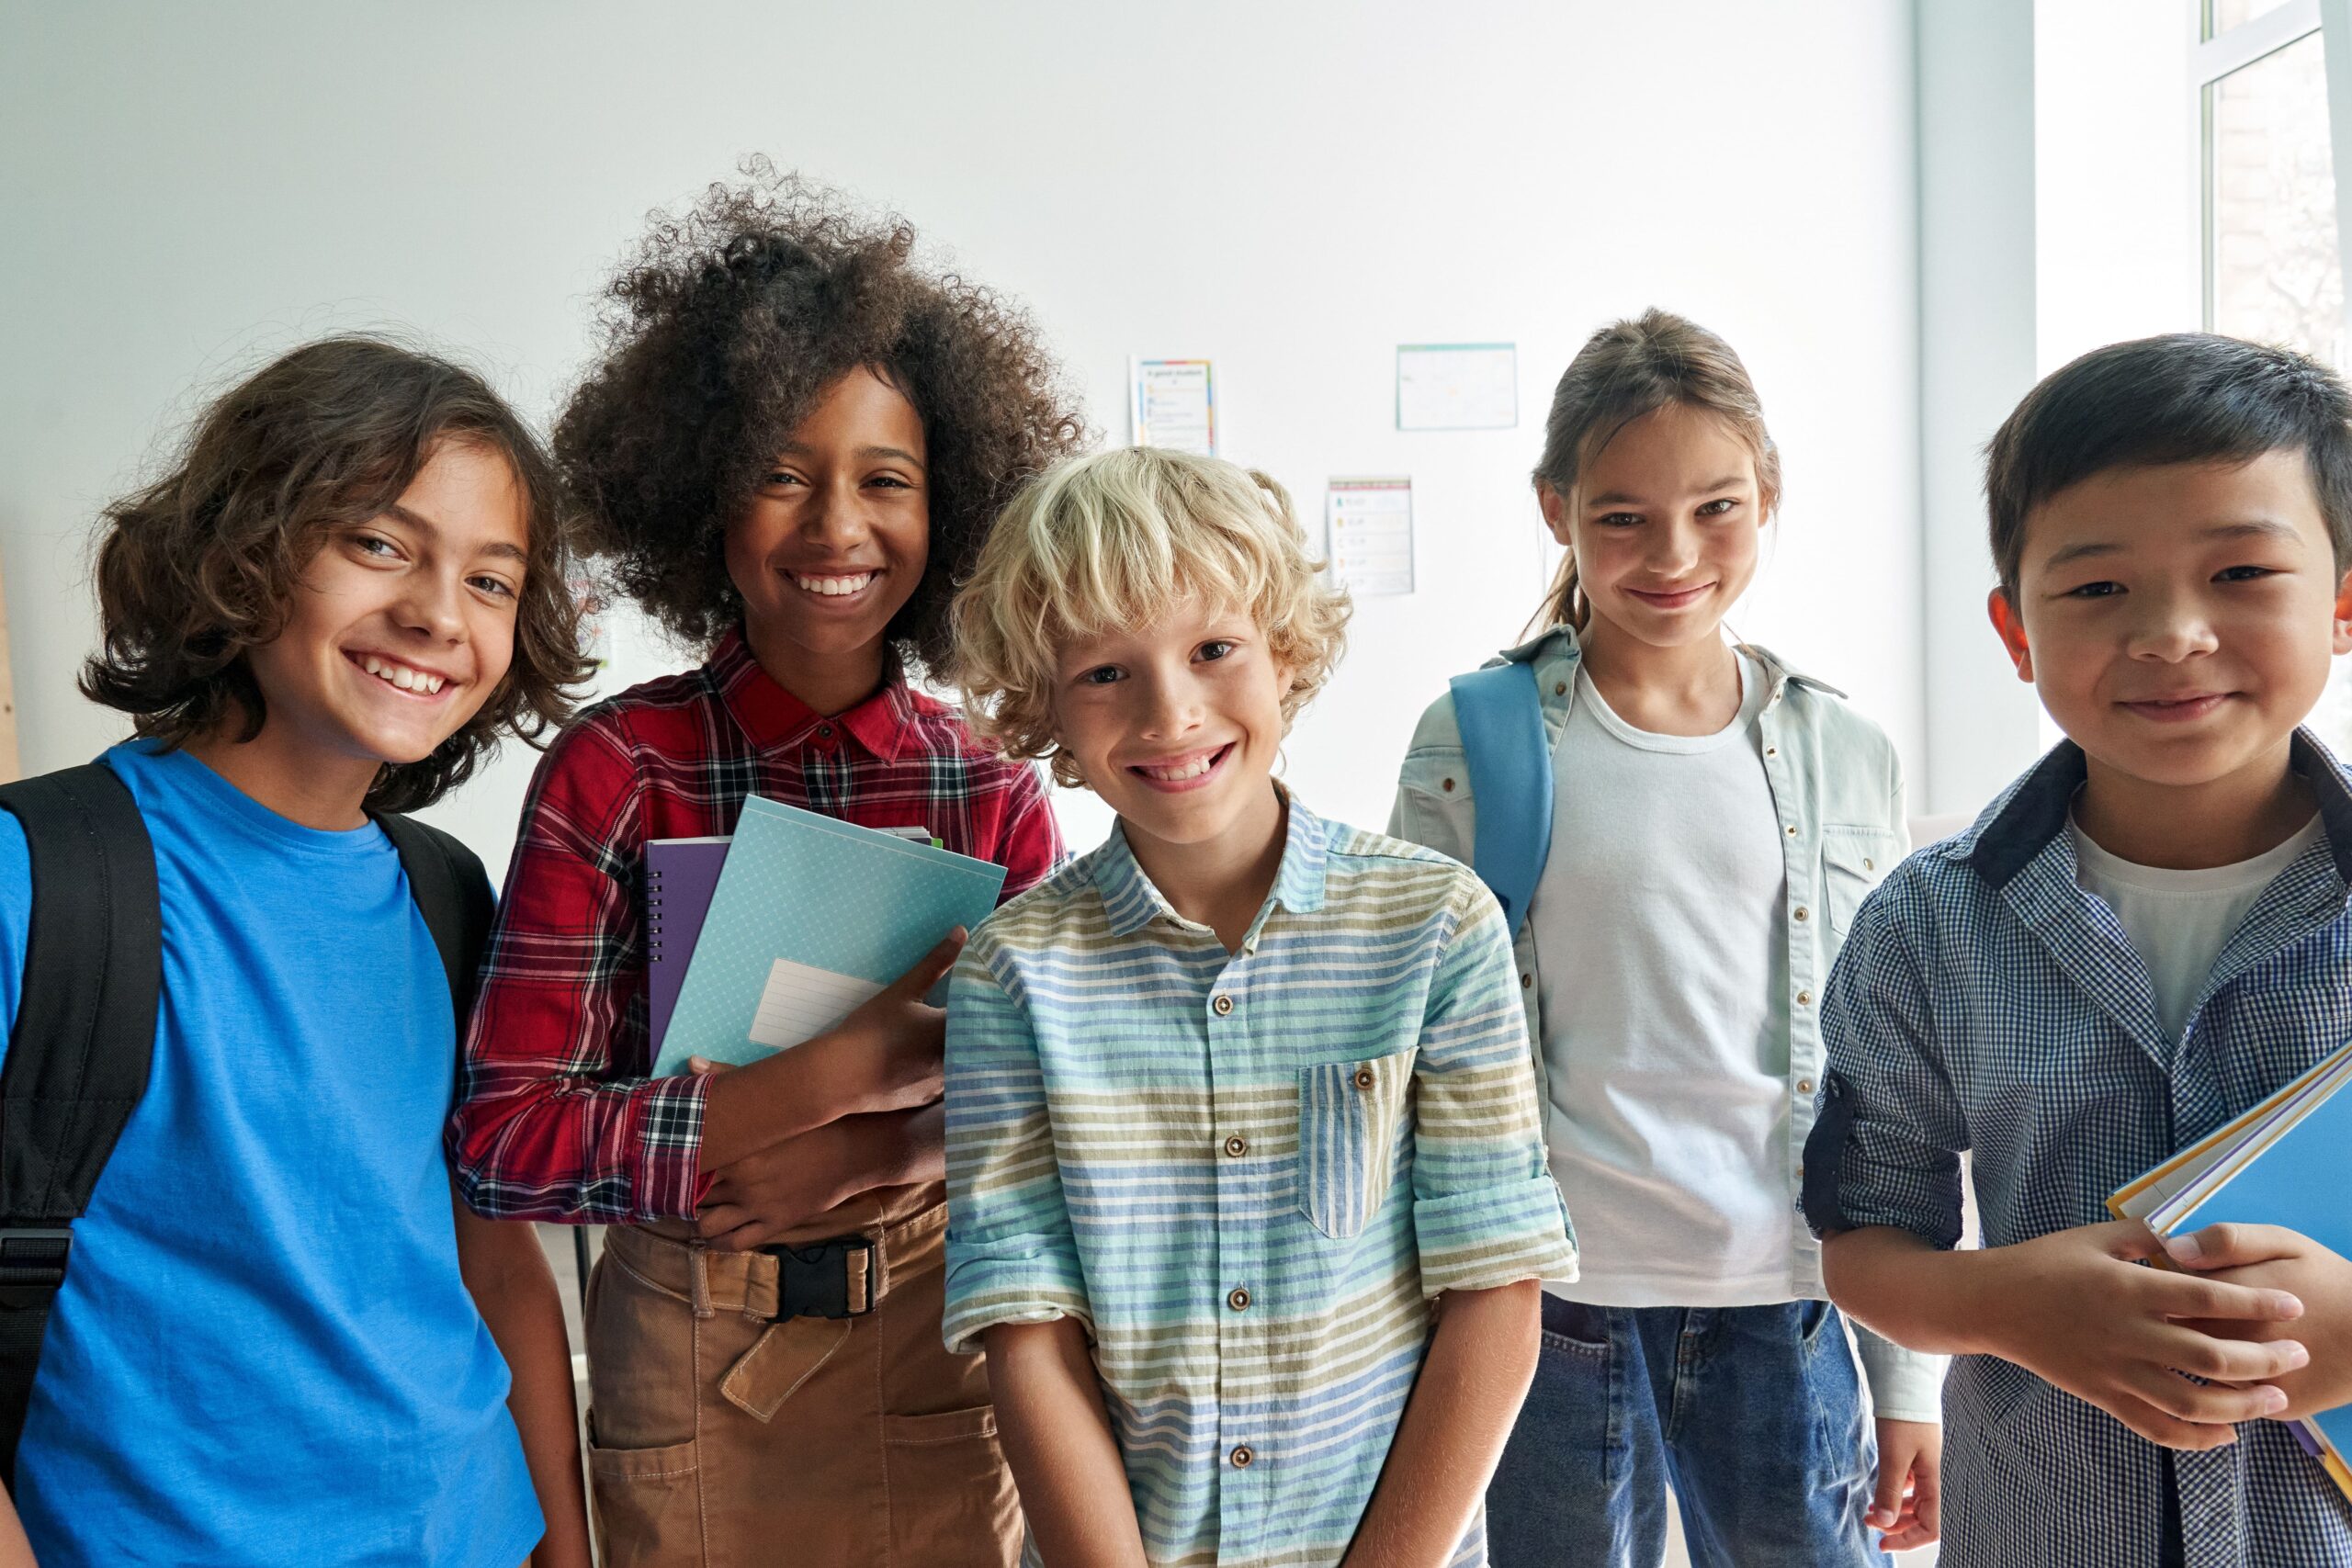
2076	1308
2274	1259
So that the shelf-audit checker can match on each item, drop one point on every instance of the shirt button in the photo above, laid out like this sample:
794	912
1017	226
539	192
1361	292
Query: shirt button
1363	1077
1801	911
1559	688
1793	830
1449	786
1221	1005
1869	864
1804	1086
1237	1145
1804	998
826	730
1242	1456
1239	1301
1771	751
1527	982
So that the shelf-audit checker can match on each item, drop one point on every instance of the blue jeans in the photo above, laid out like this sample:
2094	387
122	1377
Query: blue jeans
1753	1415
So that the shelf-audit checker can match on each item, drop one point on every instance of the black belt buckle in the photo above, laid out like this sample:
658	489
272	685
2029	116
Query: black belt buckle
816	1281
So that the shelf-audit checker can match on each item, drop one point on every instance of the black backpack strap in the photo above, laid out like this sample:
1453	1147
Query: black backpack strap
453	893
79	1054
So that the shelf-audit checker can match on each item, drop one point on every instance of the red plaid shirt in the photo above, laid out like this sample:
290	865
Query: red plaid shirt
556	1118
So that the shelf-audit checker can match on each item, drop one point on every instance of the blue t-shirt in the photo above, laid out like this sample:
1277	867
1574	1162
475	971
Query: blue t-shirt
264	1352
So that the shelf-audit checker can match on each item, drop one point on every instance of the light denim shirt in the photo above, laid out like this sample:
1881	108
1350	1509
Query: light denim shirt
1838	787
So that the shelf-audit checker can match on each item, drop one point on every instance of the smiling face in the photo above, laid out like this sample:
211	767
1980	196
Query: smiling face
1665	522
834	541
399	628
1177	726
2177	620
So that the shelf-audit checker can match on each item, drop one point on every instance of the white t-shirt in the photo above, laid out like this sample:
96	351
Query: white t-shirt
2179	920
1661	939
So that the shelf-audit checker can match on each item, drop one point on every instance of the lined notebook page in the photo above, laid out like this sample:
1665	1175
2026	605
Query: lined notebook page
800	1002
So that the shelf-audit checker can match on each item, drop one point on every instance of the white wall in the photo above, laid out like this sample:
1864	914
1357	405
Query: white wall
1976	355
1291	188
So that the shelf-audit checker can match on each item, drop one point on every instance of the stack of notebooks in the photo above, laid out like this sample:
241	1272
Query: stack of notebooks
2282	1162
769	938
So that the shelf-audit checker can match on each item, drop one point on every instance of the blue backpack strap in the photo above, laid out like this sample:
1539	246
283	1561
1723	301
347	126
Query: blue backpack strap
1500	715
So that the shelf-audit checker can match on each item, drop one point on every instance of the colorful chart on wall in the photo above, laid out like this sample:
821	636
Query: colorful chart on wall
1172	403
1368	533
1457	386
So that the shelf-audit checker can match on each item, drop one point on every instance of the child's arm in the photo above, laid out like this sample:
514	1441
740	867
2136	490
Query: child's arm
1057	1440
549	1124
515	1291
1479	1364
2273	1257
2076	1309
16	1551
1487	1226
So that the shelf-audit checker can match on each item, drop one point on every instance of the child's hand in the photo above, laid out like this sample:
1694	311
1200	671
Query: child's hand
775	1193
1908	1505
2273	1257
904	1034
2076	1308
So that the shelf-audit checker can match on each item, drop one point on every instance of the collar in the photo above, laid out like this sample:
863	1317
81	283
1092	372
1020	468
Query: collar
773	719
1130	901
2032	811
1559	640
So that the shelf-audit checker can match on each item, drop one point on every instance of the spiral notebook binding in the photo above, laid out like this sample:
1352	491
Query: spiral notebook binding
652	915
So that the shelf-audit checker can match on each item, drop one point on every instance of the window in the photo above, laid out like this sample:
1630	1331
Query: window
2273	270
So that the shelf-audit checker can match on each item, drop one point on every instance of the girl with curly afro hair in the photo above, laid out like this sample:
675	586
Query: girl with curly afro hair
790	450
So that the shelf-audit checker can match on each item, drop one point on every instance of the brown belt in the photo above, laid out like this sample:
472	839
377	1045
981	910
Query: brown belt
844	1276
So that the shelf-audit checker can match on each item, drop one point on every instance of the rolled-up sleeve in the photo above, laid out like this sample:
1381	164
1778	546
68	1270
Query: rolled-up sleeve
1011	1254
1889	1131
1486	1210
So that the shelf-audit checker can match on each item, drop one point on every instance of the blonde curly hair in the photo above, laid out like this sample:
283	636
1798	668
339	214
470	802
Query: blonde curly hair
1118	539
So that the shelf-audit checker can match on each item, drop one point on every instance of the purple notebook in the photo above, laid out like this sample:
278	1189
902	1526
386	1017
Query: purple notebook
680	876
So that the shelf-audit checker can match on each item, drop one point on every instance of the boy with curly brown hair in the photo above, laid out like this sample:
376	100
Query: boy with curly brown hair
791	447
272	1337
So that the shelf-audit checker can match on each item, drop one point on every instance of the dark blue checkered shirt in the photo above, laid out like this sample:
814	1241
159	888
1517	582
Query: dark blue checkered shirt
1985	1002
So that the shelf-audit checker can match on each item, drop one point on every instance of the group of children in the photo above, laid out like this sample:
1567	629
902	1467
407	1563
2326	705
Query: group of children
1218	1217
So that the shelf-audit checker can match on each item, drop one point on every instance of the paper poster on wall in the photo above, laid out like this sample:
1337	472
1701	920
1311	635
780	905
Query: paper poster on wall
1368	531
1457	386
1172	403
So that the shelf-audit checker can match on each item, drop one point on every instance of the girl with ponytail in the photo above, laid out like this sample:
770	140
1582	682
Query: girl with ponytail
1713	819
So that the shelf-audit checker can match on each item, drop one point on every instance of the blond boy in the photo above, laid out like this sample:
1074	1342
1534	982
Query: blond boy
1248	1200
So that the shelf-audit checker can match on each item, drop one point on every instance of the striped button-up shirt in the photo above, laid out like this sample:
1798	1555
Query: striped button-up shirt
1985	1002
1248	1173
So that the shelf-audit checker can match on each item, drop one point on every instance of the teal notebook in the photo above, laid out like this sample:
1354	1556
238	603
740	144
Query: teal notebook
2284	1162
810	917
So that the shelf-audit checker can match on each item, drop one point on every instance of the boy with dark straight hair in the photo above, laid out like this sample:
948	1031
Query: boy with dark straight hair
244	1319
2142	937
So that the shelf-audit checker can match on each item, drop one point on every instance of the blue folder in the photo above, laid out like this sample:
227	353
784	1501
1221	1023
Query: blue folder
2299	1182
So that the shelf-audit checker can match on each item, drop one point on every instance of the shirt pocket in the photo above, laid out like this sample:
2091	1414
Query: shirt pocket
1347	1117
1854	861
1434	805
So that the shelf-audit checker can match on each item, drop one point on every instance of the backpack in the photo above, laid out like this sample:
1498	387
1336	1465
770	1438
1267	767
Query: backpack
1499	712
85	1035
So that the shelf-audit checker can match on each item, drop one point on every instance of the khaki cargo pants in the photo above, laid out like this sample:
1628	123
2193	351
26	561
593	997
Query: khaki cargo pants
720	1439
